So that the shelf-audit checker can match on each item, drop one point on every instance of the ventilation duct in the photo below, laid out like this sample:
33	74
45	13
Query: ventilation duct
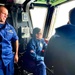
19	1
12	1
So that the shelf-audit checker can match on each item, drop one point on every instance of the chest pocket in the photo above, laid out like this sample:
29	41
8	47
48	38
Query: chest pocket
39	46
9	34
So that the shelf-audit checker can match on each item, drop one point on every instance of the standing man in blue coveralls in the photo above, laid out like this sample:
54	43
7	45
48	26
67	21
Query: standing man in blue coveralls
34	56
7	35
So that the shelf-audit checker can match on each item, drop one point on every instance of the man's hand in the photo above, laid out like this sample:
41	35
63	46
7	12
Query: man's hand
16	58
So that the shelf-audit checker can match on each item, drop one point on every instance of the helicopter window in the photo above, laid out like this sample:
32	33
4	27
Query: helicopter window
60	16
38	15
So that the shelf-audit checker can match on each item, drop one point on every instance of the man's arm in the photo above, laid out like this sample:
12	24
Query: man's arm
16	44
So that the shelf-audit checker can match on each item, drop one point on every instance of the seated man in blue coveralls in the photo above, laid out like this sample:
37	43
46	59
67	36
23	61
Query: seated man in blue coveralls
7	35
34	56
60	51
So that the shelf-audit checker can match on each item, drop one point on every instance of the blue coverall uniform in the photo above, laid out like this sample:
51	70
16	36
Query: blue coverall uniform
7	35
34	60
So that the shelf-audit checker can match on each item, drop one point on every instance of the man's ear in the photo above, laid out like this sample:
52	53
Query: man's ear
36	35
